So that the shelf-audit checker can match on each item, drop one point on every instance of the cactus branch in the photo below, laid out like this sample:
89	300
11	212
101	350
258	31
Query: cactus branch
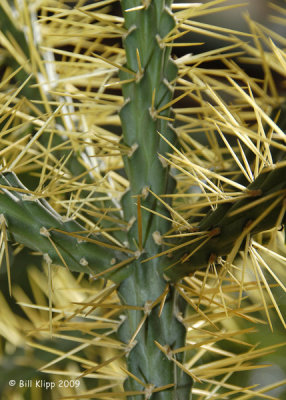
34	223
225	229
147	109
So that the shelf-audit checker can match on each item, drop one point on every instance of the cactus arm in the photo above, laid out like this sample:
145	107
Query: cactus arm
262	209
35	224
141	118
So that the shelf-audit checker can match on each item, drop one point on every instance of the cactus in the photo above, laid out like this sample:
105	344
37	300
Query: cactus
136	236
140	116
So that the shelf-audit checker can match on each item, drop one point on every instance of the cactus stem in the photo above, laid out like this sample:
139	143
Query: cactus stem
147	111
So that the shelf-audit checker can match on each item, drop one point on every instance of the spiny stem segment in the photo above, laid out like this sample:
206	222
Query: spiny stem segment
34	223
145	112
227	227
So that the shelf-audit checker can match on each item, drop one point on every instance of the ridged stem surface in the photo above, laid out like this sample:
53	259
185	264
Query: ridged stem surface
141	117
33	222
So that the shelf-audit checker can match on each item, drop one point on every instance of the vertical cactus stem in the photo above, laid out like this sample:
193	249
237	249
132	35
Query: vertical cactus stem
146	111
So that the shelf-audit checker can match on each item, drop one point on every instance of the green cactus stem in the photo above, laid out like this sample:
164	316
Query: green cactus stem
33	222
262	208
146	111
